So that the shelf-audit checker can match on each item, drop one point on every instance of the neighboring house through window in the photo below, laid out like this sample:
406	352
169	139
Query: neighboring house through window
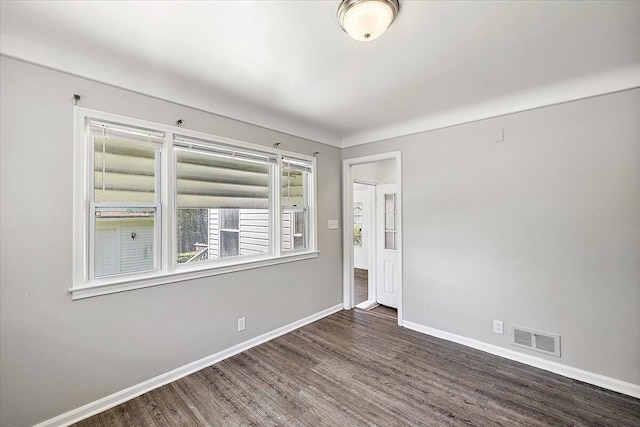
229	232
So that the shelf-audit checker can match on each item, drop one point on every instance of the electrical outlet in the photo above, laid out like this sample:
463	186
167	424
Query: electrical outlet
241	324
333	224
498	327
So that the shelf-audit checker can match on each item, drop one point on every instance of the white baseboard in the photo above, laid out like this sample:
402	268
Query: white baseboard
122	396
557	368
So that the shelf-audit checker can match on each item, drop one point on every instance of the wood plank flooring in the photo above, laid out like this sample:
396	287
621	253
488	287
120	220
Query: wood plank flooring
382	310
355	369
361	290
360	285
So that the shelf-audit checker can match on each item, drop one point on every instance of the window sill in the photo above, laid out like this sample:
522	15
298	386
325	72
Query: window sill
181	274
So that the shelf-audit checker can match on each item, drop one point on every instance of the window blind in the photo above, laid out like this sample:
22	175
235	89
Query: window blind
216	176
124	163
296	164
223	151
130	134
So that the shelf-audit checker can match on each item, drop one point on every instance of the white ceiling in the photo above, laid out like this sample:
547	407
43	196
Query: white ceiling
286	65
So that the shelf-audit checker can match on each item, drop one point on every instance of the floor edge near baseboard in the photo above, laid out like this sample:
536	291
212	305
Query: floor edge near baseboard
108	402
599	380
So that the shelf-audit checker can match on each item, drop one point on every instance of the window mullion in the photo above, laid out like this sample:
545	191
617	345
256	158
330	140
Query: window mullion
276	208
312	206
168	181
159	223
92	236
308	192
90	221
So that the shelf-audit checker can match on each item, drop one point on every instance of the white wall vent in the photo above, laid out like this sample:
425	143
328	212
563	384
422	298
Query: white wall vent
544	342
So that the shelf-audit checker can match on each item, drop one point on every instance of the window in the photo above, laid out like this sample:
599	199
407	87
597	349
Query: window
357	223
156	204
231	187
390	230
124	202
295	203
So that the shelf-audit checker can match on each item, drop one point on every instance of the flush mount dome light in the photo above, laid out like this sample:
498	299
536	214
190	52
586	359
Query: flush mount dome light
366	20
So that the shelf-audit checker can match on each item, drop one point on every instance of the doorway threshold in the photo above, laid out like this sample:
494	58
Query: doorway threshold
380	311
366	305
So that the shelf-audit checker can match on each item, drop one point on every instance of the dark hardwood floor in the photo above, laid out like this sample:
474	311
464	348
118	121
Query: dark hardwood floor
361	294
360	285
353	368
385	311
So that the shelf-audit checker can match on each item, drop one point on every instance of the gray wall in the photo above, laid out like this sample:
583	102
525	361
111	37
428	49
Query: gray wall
380	172
540	230
58	354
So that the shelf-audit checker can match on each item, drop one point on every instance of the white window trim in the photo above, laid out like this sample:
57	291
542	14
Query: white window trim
310	202
169	271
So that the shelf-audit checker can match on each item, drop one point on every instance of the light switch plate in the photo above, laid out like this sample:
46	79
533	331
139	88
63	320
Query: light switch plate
333	224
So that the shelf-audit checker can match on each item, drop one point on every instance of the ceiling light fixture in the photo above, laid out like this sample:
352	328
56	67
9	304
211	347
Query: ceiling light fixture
366	20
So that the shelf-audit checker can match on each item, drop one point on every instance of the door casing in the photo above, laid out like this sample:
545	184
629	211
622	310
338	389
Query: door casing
347	221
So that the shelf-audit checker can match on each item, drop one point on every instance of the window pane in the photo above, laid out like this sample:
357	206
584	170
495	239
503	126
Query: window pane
357	223
229	232
390	240
229	219
207	181
300	230
294	229
389	221
357	235
389	202
192	234
234	193
229	243
124	241
293	188
123	171
295	214
357	212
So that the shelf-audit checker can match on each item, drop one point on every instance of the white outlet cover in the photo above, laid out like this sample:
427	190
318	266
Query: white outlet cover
241	324
498	327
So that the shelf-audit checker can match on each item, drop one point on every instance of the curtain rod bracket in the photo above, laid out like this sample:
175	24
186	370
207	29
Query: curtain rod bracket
76	99
315	153
277	144
179	123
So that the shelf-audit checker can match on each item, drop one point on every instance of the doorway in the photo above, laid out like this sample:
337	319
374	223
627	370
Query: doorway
372	204
364	238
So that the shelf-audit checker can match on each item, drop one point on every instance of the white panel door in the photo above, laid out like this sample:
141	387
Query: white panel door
388	270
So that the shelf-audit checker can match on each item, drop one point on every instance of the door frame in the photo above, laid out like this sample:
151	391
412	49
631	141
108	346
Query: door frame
347	220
